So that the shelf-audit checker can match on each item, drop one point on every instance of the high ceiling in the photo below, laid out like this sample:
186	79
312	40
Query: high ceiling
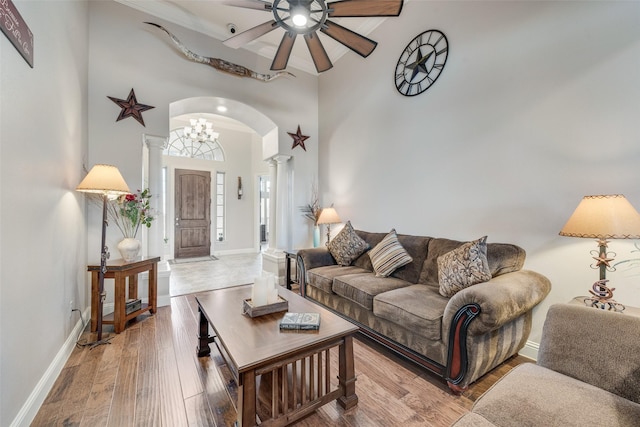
212	17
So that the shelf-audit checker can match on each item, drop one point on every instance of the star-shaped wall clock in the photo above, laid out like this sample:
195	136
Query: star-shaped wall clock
131	107
298	139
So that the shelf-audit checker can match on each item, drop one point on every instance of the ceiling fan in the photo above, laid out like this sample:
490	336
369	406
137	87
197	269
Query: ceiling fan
306	17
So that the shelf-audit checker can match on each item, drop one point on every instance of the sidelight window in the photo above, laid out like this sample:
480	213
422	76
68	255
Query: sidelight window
220	206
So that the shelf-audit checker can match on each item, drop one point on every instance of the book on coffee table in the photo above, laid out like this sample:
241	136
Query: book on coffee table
300	321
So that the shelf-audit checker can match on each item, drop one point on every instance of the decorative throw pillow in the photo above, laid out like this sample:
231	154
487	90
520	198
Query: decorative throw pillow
388	255
463	267
347	245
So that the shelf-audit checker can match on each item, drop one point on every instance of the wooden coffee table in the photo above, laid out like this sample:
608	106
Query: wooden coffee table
281	376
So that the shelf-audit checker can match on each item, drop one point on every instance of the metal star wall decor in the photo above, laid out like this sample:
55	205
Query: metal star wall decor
298	139
131	107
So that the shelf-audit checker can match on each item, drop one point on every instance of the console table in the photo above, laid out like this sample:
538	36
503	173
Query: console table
121	270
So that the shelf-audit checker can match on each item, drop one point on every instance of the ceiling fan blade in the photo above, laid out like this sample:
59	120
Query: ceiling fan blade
318	54
250	4
354	41
351	8
251	34
284	51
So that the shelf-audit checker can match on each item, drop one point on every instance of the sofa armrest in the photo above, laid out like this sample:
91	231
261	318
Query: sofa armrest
501	300
599	347
311	258
315	257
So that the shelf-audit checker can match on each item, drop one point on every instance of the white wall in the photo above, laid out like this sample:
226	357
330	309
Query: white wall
43	147
126	53
537	106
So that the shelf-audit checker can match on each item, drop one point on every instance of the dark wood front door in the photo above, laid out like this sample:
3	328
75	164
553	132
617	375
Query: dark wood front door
193	213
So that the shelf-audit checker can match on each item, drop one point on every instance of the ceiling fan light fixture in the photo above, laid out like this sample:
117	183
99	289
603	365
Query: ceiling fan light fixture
307	17
299	16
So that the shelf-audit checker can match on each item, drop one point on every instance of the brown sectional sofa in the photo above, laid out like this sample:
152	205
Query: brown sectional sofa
459	338
587	374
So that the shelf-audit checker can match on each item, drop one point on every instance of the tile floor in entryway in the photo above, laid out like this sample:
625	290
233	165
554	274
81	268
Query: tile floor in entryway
227	270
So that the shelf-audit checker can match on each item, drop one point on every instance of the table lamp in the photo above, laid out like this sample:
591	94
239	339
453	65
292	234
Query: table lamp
107	181
328	216
603	217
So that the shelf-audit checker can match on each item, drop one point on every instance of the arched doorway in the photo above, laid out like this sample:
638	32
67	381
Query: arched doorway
238	160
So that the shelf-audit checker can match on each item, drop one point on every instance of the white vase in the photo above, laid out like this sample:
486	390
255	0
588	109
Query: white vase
129	248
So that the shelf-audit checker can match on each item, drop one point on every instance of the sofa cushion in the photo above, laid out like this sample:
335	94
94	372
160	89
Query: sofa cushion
416	246
362	288
416	307
322	277
347	245
372	240
530	395
388	255
502	258
463	267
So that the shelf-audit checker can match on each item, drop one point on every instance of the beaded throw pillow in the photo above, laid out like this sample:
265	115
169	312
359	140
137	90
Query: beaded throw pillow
463	267
388	255
347	246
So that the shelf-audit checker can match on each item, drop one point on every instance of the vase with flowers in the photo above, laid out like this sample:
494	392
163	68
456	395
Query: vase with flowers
312	212
128	213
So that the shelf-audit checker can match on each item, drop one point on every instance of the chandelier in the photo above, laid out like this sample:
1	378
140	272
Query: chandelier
201	131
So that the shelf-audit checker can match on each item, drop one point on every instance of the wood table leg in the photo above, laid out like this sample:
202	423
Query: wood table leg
247	399
133	287
203	336
119	313
346	376
153	288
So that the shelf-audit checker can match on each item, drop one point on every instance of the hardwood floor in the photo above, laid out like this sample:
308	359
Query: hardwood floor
150	376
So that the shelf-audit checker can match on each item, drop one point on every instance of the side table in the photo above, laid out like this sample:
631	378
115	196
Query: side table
121	270
291	255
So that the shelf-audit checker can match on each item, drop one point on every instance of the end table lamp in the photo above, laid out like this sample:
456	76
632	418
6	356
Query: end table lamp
107	181
328	216
603	217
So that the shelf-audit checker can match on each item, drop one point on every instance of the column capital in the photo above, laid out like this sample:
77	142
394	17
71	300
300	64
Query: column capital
281	158
155	141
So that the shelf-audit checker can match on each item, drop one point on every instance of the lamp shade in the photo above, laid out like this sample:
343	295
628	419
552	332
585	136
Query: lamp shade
328	216
104	179
603	217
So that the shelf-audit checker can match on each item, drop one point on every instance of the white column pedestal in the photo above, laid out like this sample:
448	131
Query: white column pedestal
274	262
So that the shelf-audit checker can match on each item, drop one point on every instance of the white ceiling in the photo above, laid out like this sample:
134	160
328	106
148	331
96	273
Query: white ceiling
212	18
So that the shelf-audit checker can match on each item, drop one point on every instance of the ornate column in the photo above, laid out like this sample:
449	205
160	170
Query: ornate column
152	172
283	203
155	144
273	182
273	259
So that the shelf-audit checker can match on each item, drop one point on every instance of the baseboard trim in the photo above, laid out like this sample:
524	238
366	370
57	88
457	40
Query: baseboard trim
30	409
235	252
530	350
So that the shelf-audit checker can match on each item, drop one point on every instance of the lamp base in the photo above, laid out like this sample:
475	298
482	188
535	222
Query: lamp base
94	344
602	297
98	343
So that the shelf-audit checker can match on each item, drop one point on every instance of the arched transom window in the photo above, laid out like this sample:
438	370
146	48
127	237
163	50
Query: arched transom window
183	146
